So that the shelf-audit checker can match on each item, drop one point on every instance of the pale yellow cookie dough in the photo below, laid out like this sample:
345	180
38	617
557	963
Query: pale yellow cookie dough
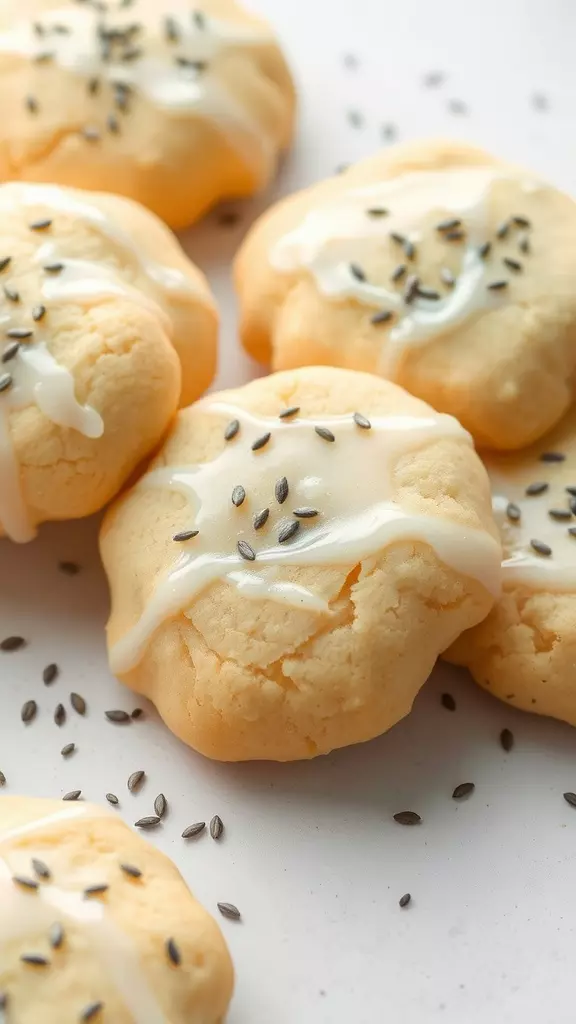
525	651
177	105
110	948
126	314
239	676
506	367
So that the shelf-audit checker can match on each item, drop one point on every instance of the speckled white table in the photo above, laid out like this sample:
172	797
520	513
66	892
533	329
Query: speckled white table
311	854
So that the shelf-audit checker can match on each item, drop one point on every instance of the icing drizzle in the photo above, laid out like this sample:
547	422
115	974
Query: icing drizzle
327	487
29	913
176	60
32	375
345	242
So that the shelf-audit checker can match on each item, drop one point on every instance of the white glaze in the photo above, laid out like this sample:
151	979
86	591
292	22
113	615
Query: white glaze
38	378
349	481
176	89
25	913
340	232
522	565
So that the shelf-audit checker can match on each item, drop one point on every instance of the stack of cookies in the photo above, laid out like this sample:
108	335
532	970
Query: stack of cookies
288	559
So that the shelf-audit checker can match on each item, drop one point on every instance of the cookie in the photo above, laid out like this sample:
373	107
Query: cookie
177	105
97	925
313	541
525	651
105	325
434	265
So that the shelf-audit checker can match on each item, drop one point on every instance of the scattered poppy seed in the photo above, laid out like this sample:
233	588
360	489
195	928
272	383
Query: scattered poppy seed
50	673
112	799
231	430
160	805
216	827
56	935
464	789
12	643
185	535
503	229
382	317
5	382
524	244
513	512
135	780
78	703
449	225
26	883
409	250
411	289
91	1011
447	701
377	211
533	490
261	442
514	265
570	798
41	225
541	548
28	712
246	551
95	890
31	104
74	794
53	268
34	959
149	821
2	779
324	433
484	250
40	868
560	514
552	457
229	910
398	272
113	124
281	490
506	740
173	952
131	871
286	414
261	518
572	531
194	830
238	495
404	900
357	272
22	333
5	262
68	749
497	286
407	818
428	293
11	351
362	421
305	512
11	294
37	314
520	221
288	531
137	713
60	714
117	716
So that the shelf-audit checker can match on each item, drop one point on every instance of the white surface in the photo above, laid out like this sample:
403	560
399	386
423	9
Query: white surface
311	854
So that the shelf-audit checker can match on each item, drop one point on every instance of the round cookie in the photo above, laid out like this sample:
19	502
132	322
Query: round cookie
313	541
525	651
432	264
97	925
177	105
104	326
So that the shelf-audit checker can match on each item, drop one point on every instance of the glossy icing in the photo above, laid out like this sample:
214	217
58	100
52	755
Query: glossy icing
175	57
37	379
342	233
523	564
28	913
348	482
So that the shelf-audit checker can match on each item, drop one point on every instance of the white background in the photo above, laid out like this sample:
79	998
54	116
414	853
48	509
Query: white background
311	854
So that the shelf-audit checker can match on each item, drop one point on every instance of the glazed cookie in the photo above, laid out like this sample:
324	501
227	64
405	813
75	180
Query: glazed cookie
525	651
434	265
105	324
175	105
313	541
96	925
